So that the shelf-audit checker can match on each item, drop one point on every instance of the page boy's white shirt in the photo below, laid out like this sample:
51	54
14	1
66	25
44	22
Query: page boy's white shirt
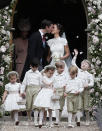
85	76
60	80
31	78
74	85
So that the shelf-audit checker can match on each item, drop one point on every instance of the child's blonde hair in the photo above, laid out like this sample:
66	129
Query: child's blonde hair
12	73
59	64
73	70
88	62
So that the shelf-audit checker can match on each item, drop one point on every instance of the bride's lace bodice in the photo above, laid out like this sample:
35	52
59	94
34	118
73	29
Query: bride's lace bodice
57	46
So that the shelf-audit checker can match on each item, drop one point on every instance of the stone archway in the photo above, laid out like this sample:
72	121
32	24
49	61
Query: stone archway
94	28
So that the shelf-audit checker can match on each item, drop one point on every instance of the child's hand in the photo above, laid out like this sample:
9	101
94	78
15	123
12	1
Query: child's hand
65	94
76	52
64	87
23	95
51	84
3	101
77	93
54	90
85	87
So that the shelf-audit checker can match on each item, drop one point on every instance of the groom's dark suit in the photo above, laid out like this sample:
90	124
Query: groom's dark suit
35	49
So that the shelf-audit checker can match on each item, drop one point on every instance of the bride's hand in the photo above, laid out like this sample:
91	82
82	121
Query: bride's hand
61	58
49	59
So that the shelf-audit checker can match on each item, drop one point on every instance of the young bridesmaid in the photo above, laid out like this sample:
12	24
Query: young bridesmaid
12	95
43	100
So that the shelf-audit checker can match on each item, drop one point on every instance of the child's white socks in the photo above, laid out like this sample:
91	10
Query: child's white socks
70	118
16	116
41	114
35	117
57	116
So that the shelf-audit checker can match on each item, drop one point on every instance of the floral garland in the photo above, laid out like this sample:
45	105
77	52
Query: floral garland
95	50
94	36
5	48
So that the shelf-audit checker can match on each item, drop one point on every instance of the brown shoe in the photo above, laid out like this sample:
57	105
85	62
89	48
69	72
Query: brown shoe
17	123
40	126
78	123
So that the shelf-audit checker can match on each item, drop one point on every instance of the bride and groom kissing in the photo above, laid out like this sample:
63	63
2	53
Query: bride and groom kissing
46	51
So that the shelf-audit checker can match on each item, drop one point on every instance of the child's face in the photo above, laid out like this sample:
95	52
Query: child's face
13	79
49	73
60	69
84	65
34	68
72	75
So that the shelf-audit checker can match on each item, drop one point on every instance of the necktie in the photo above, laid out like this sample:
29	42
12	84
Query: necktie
43	40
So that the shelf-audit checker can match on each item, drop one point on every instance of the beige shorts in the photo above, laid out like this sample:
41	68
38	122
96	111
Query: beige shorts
60	92
31	93
86	100
74	103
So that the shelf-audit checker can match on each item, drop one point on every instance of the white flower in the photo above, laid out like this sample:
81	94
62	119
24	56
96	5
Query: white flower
96	94
100	17
2	70
7	45
7	59
3	56
3	31
8	33
101	87
1	83
97	79
2	49
92	91
97	20
93	60
98	62
101	98
98	84
95	39
96	33
93	71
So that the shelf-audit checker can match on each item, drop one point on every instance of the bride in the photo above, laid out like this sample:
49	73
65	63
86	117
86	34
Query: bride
59	49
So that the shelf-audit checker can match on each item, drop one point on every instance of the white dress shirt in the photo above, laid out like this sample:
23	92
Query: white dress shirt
42	34
31	78
60	80
74	85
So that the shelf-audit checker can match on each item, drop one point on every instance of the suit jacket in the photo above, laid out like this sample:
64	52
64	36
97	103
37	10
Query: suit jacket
35	49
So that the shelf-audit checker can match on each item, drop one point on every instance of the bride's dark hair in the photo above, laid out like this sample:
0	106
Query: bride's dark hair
60	27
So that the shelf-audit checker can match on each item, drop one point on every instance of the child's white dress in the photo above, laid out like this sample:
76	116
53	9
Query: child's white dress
43	99
13	97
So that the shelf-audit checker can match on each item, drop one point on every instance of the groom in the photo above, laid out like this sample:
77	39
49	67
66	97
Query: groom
37	46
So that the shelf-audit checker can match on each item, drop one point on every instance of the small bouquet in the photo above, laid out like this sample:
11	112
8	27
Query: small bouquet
55	97
56	57
21	101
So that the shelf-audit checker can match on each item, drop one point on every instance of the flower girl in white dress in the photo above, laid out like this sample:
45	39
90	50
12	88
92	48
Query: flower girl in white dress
12	95
43	100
